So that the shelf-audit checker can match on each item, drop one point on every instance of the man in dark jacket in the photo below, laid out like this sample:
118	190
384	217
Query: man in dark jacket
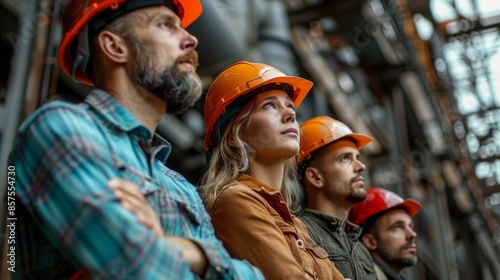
331	169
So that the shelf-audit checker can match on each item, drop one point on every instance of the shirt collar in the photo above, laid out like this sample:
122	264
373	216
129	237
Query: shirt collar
112	111
118	116
163	146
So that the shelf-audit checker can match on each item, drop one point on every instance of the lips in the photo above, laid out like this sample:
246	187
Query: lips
410	247
291	131
189	58
358	179
188	61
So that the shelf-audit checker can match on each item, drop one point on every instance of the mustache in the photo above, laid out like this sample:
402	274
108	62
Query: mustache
408	245
191	57
355	178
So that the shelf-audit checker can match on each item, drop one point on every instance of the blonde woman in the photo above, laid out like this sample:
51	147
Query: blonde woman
249	188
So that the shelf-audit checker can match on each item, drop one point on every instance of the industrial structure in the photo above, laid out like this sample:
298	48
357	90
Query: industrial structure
420	76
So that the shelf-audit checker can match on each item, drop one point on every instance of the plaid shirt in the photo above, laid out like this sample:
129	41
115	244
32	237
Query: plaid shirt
68	218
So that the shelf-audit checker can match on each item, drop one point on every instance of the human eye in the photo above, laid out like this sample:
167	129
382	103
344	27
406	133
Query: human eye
292	106
167	23
397	227
269	105
344	158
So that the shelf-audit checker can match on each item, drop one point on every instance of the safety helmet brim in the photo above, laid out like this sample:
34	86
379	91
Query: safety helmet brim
378	202
321	131
412	206
360	140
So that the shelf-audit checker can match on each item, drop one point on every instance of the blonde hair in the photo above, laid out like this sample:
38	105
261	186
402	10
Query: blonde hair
231	156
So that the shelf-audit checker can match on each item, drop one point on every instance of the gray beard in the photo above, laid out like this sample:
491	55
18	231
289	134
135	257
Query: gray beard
179	89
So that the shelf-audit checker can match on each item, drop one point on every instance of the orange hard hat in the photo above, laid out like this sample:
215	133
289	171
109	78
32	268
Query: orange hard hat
323	130
240	79
379	200
84	18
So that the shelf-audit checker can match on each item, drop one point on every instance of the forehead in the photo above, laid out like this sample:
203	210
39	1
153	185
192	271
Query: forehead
342	147
271	94
393	216
149	13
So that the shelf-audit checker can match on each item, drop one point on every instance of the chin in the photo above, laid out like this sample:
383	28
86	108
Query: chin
293	153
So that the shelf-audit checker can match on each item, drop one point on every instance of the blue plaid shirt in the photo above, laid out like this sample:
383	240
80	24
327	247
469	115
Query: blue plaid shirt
68	218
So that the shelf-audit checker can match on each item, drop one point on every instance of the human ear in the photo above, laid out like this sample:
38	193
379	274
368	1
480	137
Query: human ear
113	46
369	241
231	142
313	176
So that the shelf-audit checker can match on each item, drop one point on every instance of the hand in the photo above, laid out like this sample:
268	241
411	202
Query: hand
132	199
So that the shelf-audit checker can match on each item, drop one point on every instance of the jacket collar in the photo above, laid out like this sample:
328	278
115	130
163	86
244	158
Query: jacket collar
258	186
334	223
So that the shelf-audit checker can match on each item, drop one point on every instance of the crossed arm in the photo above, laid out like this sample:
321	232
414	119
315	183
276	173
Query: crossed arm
132	199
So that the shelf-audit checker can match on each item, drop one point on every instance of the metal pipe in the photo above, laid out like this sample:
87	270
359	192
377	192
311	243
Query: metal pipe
51	52
16	92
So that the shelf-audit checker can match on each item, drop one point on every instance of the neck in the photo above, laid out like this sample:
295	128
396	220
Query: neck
145	106
269	174
396	269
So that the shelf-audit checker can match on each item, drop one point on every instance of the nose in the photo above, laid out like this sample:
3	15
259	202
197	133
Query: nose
411	234
288	115
360	166
189	42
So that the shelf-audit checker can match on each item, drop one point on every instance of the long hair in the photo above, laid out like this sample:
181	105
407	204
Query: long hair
231	156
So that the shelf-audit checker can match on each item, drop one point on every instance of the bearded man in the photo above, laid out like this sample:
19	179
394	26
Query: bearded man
388	231
71	159
331	169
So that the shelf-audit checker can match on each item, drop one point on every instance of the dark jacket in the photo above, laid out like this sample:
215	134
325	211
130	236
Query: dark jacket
340	240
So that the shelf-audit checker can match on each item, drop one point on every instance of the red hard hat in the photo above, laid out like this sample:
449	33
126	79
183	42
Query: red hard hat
379	200
239	79
79	13
323	130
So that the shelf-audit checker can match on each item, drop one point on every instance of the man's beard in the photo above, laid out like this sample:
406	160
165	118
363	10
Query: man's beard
356	195
180	89
395	260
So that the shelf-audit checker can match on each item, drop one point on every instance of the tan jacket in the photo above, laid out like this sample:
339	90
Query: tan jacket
254	223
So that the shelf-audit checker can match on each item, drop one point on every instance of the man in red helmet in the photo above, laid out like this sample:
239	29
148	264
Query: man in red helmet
388	231
331	170
72	161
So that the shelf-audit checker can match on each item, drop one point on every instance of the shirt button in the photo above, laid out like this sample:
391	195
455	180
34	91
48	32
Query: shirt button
300	243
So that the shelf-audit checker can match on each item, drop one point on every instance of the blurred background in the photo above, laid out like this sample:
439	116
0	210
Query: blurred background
421	76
